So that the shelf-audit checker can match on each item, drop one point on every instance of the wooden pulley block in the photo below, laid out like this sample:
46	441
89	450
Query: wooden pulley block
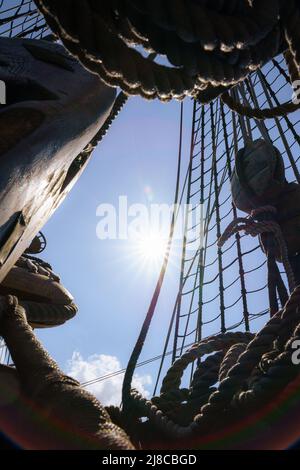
46	301
259	180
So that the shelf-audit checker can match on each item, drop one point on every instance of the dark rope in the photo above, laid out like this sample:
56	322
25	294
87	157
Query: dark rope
210	48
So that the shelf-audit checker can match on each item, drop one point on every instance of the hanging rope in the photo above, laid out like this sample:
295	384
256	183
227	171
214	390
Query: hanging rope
256	113
254	228
268	113
210	48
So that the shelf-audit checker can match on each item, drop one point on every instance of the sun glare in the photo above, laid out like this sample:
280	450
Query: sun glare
152	247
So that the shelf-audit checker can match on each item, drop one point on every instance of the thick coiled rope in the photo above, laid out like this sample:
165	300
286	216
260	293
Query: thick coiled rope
252	369
211	46
267	113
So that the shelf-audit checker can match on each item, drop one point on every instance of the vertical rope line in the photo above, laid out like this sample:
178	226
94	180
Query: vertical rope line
173	314
190	311
241	118
280	129
282	291
176	199
207	220
180	291
271	260
218	220
276	101
248	120
240	90
203	242
204	225
197	280
166	346
237	236
175	343
259	124
281	288
202	228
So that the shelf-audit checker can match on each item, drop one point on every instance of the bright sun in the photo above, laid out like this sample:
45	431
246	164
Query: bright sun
152	247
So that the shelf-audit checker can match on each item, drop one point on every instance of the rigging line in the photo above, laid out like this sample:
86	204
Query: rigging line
253	317
180	291
13	18
178	297
209	213
191	301
259	124
192	260
203	249
122	371
185	231
29	23
126	389
195	283
241	119
189	169
223	180
280	129
238	236
16	7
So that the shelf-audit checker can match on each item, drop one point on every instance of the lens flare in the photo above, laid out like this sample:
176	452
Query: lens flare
151	247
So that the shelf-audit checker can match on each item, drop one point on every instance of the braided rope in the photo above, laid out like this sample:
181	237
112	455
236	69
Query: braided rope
256	113
221	342
211	45
254	228
230	359
291	21
239	367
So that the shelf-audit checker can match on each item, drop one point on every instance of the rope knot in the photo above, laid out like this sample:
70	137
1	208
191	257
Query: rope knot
251	226
263	210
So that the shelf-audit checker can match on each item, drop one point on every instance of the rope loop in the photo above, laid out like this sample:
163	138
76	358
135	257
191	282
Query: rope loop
252	227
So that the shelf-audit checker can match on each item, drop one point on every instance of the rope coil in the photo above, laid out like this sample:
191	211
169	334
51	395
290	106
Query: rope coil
244	385
210	46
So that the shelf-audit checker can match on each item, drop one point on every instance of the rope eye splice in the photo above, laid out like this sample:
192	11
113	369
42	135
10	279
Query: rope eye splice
258	186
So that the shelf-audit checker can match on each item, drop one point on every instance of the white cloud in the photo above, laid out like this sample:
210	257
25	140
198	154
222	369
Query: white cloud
98	365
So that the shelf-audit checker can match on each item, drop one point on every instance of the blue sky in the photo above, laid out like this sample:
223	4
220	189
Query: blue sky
112	287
